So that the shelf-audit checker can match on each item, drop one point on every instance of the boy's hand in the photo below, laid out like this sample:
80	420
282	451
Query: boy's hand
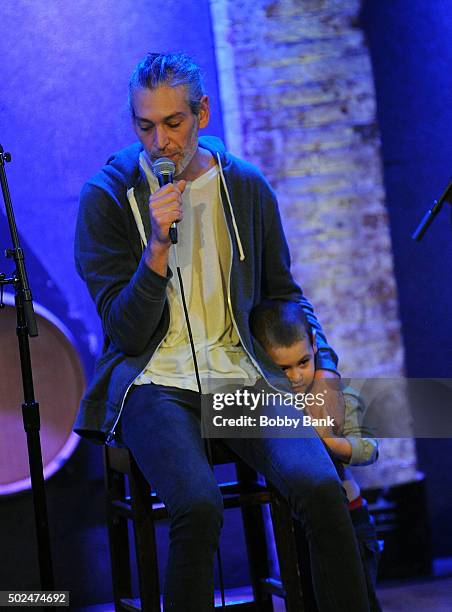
328	385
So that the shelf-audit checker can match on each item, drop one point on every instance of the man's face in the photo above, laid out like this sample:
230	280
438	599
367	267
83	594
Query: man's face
165	124
297	363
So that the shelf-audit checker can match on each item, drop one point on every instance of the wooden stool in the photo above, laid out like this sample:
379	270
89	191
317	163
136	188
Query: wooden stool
138	504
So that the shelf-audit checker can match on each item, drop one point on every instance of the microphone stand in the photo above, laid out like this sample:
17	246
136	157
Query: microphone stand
432	213
26	326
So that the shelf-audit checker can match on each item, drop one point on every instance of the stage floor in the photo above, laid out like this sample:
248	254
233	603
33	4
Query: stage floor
429	595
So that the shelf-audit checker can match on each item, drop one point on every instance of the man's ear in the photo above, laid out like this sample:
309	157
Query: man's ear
314	341
204	111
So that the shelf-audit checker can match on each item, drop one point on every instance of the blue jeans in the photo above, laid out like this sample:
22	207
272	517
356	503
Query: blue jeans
369	549
161	427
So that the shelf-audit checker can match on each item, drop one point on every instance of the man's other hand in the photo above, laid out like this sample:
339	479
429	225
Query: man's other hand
328	385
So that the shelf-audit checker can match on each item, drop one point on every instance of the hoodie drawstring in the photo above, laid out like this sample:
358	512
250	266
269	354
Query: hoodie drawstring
234	223
137	216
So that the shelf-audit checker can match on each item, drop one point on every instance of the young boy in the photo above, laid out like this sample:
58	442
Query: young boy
281	327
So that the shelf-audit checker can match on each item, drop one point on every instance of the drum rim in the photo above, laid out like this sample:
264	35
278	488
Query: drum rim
49	470
8	299
72	441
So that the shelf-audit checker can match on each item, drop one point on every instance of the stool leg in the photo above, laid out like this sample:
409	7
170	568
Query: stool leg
145	541
254	528
117	536
287	553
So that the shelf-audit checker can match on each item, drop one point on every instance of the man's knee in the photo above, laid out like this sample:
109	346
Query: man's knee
322	501
202	514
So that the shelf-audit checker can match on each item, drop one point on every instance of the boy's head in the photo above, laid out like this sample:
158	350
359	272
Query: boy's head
283	330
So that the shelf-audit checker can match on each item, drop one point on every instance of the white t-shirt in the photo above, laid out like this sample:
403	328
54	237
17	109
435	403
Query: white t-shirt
204	253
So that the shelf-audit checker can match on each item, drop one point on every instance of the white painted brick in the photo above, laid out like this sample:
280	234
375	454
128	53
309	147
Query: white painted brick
303	103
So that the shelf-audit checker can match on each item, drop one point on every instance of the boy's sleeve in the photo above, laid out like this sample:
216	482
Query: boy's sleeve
364	444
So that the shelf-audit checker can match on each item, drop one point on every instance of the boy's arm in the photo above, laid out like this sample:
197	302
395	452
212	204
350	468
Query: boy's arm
357	446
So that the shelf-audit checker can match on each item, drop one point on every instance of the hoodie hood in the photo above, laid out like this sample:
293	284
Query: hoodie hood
215	146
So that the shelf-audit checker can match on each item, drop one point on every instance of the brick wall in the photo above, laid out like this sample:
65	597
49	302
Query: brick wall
298	101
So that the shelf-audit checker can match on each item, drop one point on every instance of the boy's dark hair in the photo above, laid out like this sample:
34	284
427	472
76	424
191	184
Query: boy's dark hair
172	69
279	323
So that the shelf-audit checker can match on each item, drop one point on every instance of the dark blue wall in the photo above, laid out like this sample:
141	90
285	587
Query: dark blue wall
411	53
63	88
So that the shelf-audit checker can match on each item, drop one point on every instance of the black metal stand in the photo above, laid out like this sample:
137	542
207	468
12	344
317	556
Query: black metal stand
432	213
26	326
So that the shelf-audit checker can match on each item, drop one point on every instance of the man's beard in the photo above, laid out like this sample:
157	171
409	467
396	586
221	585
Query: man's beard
185	156
189	154
184	162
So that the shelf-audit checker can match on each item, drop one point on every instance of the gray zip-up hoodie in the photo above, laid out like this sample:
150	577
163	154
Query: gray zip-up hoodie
131	298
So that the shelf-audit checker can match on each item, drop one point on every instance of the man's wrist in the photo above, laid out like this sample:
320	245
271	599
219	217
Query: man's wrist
156	256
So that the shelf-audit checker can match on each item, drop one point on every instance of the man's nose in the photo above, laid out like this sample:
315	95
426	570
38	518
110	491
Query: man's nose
160	138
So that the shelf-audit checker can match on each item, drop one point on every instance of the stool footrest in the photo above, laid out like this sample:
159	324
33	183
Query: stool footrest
133	605
130	605
232	498
274	587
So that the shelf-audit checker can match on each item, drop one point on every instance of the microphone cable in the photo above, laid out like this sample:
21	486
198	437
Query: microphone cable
207	443
164	168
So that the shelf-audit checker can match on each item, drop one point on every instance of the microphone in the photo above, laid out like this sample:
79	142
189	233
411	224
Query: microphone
163	168
432	213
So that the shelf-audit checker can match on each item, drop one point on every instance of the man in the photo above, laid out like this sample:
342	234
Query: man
232	253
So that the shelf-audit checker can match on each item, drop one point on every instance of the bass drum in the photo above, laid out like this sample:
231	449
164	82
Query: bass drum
59	383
